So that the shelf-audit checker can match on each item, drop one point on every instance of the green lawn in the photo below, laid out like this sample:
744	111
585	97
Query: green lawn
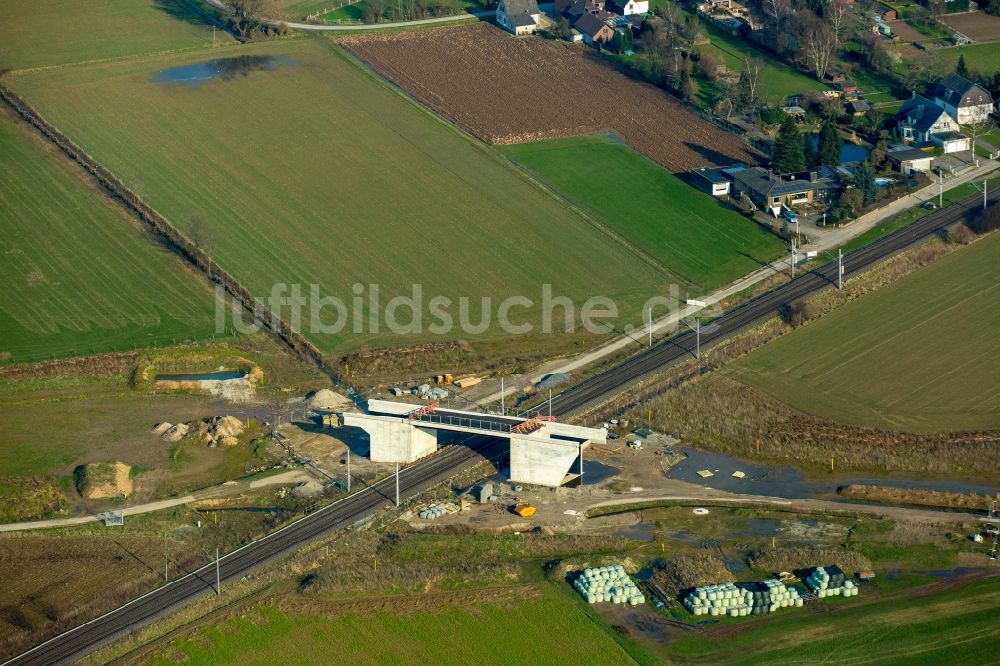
316	172
954	627
548	629
698	239
40	33
80	275
979	57
780	80
917	355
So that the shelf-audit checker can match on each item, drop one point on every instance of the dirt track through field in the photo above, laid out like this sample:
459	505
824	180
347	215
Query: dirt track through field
508	90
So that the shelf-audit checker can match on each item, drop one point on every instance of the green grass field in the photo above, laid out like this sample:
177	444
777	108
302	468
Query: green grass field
955	627
42	33
917	355
978	57
80	275
779	81
316	172
698	239
549	629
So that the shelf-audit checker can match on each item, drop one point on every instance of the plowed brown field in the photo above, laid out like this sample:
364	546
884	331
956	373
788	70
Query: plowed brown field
506	90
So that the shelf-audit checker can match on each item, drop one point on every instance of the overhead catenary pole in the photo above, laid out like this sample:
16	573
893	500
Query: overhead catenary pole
550	402
793	258
649	319
840	269
166	570
697	337
503	409
940	187
348	469
218	580
397	484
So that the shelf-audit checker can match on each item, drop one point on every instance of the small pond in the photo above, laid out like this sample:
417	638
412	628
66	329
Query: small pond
220	68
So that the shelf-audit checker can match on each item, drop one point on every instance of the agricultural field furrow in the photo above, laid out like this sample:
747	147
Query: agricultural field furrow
506	90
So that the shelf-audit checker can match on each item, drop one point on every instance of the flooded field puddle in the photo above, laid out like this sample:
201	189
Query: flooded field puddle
595	472
780	481
637	532
220	68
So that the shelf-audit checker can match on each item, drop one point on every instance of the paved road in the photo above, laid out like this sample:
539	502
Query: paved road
230	488
314	27
86	638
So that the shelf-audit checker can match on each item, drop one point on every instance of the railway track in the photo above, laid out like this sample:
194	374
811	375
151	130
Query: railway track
599	388
84	639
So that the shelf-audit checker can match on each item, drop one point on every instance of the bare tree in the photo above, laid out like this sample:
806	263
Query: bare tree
837	15
778	11
817	45
246	15
751	80
975	129
374	11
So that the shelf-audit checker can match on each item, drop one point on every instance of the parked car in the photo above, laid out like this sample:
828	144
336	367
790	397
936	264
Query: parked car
929	205
790	215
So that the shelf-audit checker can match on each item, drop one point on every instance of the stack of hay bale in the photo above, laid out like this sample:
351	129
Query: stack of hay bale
740	600
603	584
725	599
830	581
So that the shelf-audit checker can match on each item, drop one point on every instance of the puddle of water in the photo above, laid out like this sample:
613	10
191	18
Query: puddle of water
201	376
778	481
221	68
595	472
637	532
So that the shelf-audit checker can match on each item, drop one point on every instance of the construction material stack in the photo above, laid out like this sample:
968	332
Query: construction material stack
724	599
742	599
830	582
608	584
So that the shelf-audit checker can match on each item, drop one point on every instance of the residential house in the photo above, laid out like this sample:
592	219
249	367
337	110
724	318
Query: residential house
858	107
964	100
711	181
772	192
628	7
577	8
909	160
919	118
518	16
595	30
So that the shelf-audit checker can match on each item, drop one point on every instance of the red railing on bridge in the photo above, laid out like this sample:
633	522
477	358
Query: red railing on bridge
423	411
532	424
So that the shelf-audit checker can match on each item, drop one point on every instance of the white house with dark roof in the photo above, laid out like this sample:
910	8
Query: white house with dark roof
518	16
964	100
919	118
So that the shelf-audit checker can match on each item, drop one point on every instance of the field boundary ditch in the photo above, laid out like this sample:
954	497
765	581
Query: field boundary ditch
184	247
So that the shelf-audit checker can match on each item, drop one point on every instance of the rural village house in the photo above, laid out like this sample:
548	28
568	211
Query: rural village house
595	29
518	16
598	20
628	7
919	118
964	101
771	192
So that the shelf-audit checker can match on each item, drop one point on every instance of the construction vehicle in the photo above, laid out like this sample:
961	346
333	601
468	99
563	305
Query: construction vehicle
524	510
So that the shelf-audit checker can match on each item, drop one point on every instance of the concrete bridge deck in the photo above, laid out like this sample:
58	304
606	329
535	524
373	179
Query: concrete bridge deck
541	452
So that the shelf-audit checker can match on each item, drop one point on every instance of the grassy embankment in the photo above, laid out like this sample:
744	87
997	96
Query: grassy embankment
702	242
381	193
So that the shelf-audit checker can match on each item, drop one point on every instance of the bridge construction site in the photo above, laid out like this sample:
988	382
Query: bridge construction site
542	451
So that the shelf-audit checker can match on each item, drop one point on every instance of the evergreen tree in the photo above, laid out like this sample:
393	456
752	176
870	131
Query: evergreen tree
809	152
829	145
627	43
864	180
961	68
787	156
684	85
616	43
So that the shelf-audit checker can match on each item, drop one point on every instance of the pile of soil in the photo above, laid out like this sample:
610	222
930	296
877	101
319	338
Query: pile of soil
327	399
308	489
173	433
221	431
98	481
